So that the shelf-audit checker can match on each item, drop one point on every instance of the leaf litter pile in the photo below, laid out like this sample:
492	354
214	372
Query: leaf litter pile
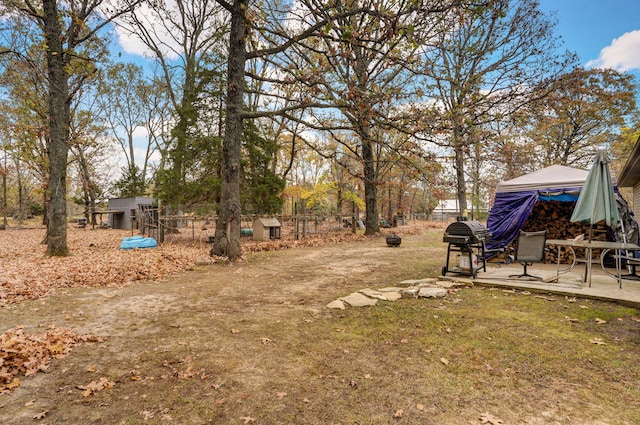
96	260
25	354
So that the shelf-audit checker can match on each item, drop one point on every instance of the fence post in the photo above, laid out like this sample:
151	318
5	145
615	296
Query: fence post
161	222
354	217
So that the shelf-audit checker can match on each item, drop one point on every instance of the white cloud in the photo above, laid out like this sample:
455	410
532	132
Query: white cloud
164	34
132	45
140	134
623	54
140	152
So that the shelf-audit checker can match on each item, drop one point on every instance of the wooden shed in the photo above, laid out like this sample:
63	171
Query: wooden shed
265	229
124	212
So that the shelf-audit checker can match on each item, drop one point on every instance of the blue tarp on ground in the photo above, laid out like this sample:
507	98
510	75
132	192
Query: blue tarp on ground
138	242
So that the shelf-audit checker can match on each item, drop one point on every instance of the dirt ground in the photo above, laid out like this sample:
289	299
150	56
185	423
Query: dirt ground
201	327
241	343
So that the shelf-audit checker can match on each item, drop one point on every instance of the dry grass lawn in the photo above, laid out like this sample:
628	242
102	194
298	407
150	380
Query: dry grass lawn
252	343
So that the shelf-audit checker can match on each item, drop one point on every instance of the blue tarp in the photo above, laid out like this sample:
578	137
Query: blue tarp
511	209
563	197
138	242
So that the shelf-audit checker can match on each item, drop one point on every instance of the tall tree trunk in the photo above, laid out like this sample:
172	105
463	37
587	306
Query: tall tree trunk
88	187
370	190
461	184
45	211
363	125
227	236
59	126
22	213
4	187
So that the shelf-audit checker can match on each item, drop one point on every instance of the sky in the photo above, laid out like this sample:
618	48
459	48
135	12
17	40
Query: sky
604	33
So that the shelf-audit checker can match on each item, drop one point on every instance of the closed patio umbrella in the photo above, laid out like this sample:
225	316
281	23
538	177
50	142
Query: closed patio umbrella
597	200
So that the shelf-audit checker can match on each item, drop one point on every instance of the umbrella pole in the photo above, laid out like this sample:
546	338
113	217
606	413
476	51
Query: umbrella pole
589	254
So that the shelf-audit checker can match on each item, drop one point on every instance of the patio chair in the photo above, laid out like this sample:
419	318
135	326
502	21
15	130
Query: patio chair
531	249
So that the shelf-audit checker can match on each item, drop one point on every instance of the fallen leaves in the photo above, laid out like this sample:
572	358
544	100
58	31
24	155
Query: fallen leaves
544	297
147	415
186	373
41	415
26	354
95	386
97	261
309	241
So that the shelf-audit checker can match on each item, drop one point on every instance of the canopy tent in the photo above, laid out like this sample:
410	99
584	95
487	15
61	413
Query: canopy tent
516	198
553	178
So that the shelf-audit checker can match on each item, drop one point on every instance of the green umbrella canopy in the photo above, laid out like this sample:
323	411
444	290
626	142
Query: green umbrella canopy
597	200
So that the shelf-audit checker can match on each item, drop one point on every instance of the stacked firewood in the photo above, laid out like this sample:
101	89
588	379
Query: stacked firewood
554	216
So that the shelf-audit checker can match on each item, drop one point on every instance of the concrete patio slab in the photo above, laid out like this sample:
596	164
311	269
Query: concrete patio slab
603	286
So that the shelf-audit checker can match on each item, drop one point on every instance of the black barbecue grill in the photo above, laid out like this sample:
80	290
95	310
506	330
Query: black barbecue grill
468	239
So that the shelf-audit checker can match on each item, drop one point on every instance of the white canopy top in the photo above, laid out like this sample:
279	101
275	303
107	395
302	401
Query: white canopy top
553	177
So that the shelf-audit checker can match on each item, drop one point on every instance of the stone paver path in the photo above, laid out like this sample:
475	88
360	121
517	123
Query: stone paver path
422	288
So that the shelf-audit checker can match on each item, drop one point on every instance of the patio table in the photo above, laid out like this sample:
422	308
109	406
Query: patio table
589	246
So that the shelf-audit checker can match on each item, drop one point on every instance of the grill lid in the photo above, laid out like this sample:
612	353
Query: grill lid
475	231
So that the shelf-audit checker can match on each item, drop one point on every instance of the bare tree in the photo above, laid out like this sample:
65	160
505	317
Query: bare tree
65	29
124	97
490	62
25	109
253	38
363	67
186	40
